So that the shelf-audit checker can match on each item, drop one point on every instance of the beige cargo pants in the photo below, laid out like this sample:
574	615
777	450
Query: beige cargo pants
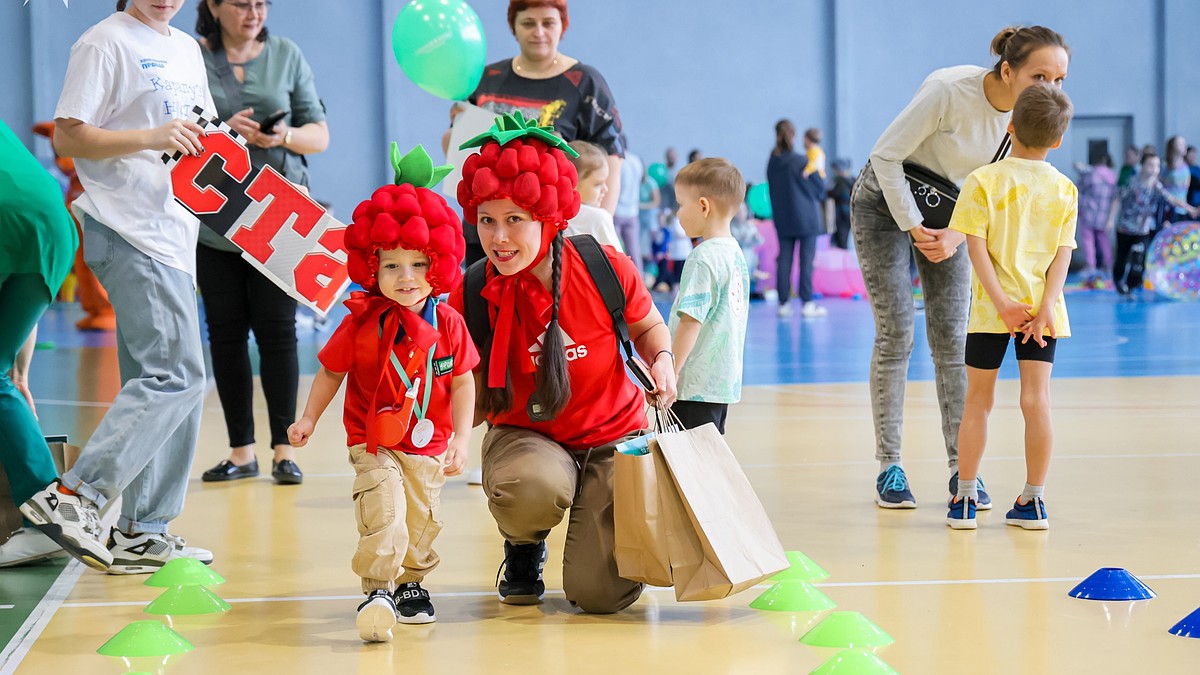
397	503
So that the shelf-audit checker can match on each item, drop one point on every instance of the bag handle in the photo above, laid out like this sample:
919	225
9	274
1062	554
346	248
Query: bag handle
1005	146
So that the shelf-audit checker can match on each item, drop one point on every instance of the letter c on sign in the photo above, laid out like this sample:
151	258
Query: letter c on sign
235	159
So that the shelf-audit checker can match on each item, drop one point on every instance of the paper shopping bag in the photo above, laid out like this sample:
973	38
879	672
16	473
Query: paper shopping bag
648	514
739	547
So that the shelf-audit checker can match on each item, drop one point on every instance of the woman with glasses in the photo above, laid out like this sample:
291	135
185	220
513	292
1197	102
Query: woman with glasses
253	77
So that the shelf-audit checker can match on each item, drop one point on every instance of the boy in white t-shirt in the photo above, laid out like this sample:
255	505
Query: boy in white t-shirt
592	167
1019	217
130	81
708	318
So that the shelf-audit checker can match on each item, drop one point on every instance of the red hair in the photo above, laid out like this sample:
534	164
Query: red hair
517	6
413	218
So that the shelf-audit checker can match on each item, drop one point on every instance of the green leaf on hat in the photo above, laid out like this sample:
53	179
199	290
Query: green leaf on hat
513	126
416	168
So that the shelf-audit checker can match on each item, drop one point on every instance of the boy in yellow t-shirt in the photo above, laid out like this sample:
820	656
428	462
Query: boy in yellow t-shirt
1019	217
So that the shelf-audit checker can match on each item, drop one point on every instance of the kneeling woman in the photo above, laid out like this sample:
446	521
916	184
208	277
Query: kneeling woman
552	386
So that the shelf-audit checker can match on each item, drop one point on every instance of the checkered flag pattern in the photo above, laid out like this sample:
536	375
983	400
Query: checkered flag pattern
208	122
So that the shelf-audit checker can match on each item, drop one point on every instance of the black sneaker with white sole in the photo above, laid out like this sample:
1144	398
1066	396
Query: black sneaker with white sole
72	521
413	605
522	568
376	617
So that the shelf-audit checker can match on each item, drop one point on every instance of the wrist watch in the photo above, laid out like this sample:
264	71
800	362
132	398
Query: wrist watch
287	138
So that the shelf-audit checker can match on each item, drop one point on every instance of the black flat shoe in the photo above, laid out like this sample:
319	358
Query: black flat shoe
227	470
285	472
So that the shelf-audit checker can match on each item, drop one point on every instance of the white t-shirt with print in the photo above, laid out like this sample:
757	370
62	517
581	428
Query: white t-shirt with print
714	290
124	75
596	222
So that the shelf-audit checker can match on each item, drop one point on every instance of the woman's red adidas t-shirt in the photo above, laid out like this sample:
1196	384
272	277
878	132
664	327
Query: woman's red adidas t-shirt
605	404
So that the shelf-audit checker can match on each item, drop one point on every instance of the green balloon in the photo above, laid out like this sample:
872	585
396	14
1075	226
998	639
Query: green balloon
658	173
440	45
759	200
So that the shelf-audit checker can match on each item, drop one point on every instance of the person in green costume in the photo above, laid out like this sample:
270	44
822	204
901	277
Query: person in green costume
36	254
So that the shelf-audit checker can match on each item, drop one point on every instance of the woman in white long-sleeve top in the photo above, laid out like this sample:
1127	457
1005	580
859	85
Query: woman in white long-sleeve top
954	124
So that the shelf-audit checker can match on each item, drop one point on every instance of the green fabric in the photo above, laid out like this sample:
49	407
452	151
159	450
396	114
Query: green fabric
279	78
23	451
38	235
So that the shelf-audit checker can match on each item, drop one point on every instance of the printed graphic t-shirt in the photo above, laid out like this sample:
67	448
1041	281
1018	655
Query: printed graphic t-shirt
1026	210
714	290
124	75
578	103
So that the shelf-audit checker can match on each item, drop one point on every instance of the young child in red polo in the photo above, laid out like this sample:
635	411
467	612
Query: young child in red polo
410	398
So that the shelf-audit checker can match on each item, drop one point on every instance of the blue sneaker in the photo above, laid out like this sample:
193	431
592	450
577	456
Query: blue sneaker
1031	516
962	514
892	491
984	503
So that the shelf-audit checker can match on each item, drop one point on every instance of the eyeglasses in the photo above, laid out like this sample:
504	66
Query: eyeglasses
259	7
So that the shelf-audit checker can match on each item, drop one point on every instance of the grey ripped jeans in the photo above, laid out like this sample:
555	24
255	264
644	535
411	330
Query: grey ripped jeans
883	253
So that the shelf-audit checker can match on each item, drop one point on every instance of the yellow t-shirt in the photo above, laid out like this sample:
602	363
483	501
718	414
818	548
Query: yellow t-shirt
1026	210
816	161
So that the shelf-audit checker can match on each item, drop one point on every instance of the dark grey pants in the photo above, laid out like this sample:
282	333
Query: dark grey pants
883	253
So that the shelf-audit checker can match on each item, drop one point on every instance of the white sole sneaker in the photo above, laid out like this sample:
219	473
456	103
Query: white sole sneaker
28	545
416	619
895	505
961	523
1028	524
58	516
376	620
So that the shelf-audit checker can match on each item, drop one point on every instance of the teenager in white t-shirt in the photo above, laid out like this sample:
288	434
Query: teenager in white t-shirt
954	124
131	80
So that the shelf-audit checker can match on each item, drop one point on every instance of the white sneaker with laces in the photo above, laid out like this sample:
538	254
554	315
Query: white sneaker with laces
72	521
28	545
146	552
811	309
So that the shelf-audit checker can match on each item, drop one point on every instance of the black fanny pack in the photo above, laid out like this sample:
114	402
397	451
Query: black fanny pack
935	195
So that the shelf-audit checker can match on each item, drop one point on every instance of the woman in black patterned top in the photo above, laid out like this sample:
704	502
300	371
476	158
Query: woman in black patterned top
552	87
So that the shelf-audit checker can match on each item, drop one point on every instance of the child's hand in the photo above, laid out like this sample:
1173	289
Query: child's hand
1015	315
456	457
1042	323
299	432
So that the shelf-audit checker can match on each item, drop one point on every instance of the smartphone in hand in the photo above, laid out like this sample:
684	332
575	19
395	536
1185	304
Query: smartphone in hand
642	372
267	126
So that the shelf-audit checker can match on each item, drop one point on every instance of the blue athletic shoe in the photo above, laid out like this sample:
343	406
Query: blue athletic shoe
1031	516
984	503
962	514
892	491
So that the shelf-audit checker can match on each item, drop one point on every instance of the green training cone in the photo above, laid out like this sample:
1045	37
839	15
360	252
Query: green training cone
846	629
145	638
855	662
182	600
802	568
184	572
793	595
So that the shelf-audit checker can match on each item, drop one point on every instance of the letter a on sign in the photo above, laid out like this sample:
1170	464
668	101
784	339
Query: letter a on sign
282	232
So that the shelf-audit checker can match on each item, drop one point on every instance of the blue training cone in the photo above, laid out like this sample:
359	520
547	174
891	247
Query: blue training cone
1111	583
1188	626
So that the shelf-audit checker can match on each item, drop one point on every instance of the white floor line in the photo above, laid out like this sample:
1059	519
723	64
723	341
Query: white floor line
8	606
39	618
656	589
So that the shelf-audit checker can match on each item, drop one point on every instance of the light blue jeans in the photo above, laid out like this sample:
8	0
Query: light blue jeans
144	446
883	254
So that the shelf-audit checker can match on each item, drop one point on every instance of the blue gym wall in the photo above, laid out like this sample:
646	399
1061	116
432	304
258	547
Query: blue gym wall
688	73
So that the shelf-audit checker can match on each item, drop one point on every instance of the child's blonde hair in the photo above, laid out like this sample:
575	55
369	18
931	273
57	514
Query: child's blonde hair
716	179
591	157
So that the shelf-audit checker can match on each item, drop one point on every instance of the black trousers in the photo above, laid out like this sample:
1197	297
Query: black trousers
237	300
1127	258
783	276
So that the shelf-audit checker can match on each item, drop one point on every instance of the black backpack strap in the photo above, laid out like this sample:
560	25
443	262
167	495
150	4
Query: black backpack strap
601	271
475	310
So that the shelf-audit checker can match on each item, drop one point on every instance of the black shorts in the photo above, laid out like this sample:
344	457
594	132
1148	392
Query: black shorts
985	351
694	414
